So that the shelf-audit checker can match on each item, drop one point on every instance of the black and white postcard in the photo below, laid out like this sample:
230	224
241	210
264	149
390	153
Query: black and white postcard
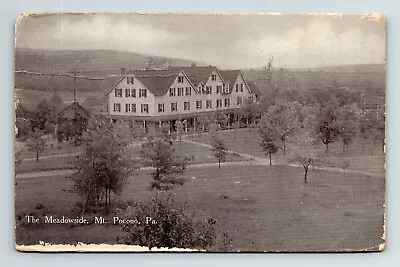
200	132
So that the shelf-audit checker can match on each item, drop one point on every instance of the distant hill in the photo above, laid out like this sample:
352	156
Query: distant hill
91	62
107	64
367	78
359	68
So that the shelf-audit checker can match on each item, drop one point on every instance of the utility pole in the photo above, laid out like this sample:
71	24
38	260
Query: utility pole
75	85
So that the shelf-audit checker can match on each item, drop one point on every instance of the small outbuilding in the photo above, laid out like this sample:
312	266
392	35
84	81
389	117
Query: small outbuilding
71	122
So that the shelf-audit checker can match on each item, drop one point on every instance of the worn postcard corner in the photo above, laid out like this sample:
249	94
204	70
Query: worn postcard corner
200	132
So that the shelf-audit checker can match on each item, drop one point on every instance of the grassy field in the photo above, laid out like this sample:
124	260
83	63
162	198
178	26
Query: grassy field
361	156
197	154
261	207
30	98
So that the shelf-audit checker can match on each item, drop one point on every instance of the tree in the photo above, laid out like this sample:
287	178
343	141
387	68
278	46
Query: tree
283	117
35	143
219	149
24	127
249	110
364	127
220	118
326	127
306	155
138	131
179	131
122	131
164	224
160	154
213	127
371	125
103	167
378	129
203	121
270	138
347	125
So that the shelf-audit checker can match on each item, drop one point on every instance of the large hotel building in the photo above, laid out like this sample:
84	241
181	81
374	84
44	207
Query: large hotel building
155	97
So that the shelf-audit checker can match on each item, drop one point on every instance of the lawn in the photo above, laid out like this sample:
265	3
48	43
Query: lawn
197	154
261	207
362	156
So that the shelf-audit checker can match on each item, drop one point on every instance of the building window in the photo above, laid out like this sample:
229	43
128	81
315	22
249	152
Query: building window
142	92
174	106
199	104
172	92
118	92
161	107
180	91
129	80
188	91
127	92
237	87
144	108
117	107
227	102
227	88
180	79
219	89
208	104
133	108
133	93
241	87
186	105
219	103
239	101
208	90
213	77
127	107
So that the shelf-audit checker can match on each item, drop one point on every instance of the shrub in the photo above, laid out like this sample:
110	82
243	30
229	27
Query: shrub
170	226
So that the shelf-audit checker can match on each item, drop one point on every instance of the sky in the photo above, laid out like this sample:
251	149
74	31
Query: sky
226	41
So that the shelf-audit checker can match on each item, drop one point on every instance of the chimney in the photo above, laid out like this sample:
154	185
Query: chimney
123	70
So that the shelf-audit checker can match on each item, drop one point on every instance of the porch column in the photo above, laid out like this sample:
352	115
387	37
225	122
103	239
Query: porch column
186	125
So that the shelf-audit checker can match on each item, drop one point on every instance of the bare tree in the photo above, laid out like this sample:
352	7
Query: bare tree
270	138
219	149
36	143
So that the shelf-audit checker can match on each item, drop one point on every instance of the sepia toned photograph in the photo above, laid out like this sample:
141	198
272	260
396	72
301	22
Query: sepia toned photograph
200	132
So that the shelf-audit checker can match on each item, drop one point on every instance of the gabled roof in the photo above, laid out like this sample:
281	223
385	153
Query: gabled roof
196	74
158	85
230	75
73	111
156	81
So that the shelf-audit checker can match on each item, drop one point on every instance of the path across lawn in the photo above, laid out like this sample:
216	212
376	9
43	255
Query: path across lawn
252	160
